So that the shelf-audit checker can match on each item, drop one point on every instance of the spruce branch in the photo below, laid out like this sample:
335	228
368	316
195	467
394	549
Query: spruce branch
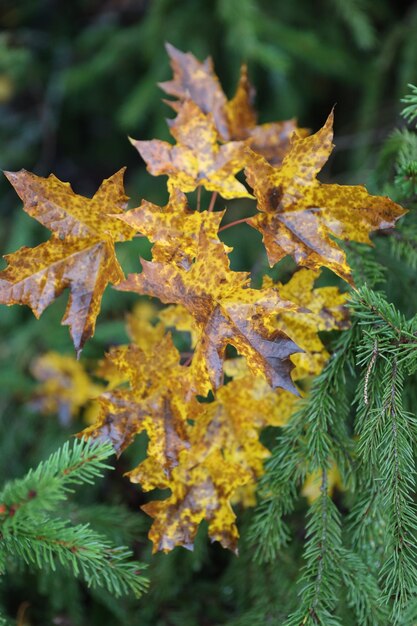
315	434
386	447
28	533
52	480
320	577
409	112
404	244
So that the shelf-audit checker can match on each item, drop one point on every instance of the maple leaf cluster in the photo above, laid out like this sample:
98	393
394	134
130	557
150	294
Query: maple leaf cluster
203	411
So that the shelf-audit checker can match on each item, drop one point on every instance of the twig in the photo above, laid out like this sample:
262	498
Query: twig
212	201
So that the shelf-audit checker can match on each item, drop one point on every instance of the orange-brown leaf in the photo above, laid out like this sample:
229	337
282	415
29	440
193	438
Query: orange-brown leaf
197	159
300	216
235	119
198	82
271	140
79	256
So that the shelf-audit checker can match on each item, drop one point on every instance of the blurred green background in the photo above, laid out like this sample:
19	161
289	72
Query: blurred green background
76	78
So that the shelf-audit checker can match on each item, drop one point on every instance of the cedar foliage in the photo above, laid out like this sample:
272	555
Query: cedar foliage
342	580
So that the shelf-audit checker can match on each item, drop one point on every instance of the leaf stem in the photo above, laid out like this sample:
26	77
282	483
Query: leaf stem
188	360
212	201
241	221
198	198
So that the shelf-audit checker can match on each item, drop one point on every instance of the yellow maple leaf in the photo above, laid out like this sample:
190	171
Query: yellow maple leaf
198	82
201	489
80	255
324	309
235	119
225	310
197	159
300	216
173	229
220	465
65	386
153	401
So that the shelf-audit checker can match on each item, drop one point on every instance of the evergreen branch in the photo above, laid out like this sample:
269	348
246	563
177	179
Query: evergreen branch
52	480
404	244
78	548
385	448
410	111
321	576
399	572
29	534
315	433
363	593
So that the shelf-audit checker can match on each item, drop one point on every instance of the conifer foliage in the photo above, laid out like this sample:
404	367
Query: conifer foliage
251	353
31	535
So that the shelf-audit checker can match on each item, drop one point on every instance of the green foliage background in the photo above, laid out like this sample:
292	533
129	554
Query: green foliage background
75	79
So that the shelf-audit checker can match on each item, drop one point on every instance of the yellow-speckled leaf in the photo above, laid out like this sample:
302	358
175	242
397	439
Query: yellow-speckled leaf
173	229
324	309
222	463
198	82
65	386
201	489
225	310
235	119
197	159
300	216
79	256
153	401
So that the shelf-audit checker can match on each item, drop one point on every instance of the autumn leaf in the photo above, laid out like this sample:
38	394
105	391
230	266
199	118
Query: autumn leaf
324	309
198	82
271	140
201	486
65	386
300	216
224	457
235	119
173	229
143	326
205	453
79	256
156	401
197	159
153	401
225	310
178	317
